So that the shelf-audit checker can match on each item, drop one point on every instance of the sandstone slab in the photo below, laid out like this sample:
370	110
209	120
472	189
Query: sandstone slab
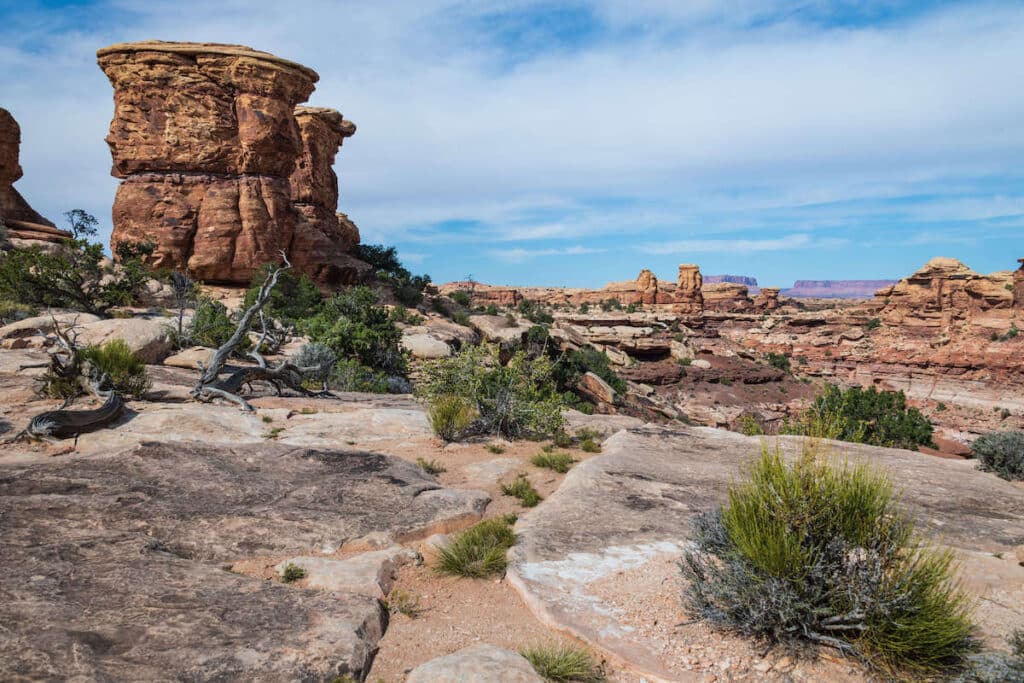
371	573
476	664
425	346
189	358
149	338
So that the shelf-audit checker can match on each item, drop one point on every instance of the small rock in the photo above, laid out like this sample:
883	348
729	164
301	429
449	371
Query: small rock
476	664
764	666
701	363
371	574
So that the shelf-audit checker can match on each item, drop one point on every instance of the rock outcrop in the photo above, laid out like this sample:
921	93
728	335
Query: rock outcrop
726	296
23	223
689	299
944	290
767	299
647	287
207	142
1018	285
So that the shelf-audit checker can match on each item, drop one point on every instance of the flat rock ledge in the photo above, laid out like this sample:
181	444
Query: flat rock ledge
629	509
112	567
476	664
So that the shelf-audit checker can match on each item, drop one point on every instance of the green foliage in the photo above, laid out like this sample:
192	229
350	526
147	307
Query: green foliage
1008	335
686	362
450	416
407	288
497	449
431	466
404	602
354	326
611	305
562	439
81	223
516	399
584	308
294	298
75	276
589	445
11	311
292	572
873	324
822	552
749	426
210	326
351	375
573	365
780	361
522	489
461	297
559	462
632	308
125	370
460	318
879	418
479	551
1001	453
563	664
535	313
491	309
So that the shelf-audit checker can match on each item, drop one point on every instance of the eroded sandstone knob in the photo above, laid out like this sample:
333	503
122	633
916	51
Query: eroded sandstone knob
21	220
689	297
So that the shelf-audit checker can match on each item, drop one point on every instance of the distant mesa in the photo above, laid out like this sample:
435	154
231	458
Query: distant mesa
24	224
836	289
220	168
735	279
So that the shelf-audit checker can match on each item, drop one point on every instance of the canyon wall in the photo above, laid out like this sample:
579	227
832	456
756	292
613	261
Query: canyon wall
218	169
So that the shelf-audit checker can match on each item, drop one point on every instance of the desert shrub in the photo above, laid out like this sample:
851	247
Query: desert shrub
461	297
319	356
404	602
76	276
1001	453
584	308
611	305
407	288
563	664
210	326
11	311
514	400
779	361
562	439
686	362
873	324
816	552
589	445
559	462
879	418
491	309
573	365
460	318
749	426
521	488
632	308
479	551
450	416
431	466
497	449
292	572
351	375
125	370
354	326
535	313
294	298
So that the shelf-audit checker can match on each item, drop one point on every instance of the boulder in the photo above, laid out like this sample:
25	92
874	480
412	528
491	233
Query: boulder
497	328
476	664
23	222
596	389
425	346
149	338
371	573
767	299
17	334
190	358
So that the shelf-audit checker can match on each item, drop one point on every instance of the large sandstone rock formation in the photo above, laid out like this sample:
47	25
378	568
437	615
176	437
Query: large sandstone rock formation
22	221
689	297
1018	285
207	141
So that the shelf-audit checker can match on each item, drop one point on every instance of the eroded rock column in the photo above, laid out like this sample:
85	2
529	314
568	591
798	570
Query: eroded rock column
1018	285
689	300
767	299
205	139
322	237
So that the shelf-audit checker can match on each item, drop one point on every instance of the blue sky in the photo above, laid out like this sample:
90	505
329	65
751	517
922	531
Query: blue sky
573	143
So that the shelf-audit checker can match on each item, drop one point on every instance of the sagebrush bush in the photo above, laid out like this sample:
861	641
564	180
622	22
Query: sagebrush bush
450	416
521	488
351	375
879	418
479	551
819	552
515	400
125	370
318	356
1001	453
12	311
563	663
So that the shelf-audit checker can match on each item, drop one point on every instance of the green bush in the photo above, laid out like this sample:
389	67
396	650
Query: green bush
354	326
873	324
573	365
879	418
11	311
1001	453
125	370
431	466
491	309
521	488
516	399
292	572
559	462
749	426
450	416
563	664
778	361
294	298
814	552
351	375
210	326
461	297
479	551
535	313
407	288
77	275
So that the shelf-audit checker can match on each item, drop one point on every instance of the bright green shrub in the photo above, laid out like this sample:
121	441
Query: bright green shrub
778	361
822	553
353	325
563	664
125	370
573	365
210	326
294	298
450	416
521	488
879	418
558	462
479	551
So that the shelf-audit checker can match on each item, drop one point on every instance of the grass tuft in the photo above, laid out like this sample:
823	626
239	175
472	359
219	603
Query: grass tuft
559	462
450	416
522	489
563	664
292	572
497	449
479	551
431	466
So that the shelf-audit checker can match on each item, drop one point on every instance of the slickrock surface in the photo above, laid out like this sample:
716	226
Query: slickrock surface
476	664
596	558
111	564
212	155
24	224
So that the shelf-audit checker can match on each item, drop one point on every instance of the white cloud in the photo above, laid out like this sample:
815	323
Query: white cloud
520	255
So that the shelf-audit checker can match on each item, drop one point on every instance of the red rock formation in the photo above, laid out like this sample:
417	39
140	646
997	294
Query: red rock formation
219	171
22	221
322	237
1018	285
647	287
726	296
768	299
689	300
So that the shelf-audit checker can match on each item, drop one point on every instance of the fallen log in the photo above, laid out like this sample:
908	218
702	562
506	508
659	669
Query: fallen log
61	424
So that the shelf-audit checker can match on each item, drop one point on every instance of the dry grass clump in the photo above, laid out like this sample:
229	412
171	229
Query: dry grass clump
431	466
563	664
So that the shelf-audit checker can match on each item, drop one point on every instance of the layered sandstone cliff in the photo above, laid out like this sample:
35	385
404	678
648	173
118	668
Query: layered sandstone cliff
218	170
23	223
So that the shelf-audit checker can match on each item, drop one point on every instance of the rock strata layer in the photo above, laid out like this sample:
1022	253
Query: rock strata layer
219	170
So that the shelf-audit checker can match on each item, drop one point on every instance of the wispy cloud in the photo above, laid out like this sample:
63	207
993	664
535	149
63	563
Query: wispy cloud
743	246
523	255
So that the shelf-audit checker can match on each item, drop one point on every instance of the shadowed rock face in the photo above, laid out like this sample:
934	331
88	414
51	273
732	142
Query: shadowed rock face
213	154
111	566
21	220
